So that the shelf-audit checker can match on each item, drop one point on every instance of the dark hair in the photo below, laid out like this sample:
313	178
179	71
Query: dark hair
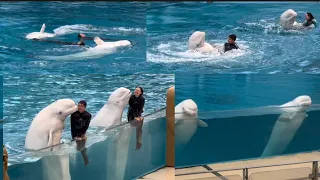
83	102
140	89
233	37
310	15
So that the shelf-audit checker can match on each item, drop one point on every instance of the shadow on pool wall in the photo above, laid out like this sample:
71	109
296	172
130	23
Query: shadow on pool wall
102	166
235	137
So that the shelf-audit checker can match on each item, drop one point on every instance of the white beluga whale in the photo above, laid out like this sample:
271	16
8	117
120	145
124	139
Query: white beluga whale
110	115
109	45
294	112
101	49
47	127
41	34
288	20
186	122
45	131
197	43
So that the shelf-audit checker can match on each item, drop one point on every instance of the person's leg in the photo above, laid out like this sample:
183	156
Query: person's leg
84	151
139	135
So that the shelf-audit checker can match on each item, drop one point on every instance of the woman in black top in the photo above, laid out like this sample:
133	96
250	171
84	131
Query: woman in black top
136	104
309	20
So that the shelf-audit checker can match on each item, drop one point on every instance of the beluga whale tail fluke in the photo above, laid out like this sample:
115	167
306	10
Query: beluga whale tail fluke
41	34
197	43
186	122
294	112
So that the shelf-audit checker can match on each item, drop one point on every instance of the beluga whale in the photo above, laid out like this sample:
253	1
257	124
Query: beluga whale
45	131
293	114
110	115
41	34
100	44
186	122
288	20
197	43
101	49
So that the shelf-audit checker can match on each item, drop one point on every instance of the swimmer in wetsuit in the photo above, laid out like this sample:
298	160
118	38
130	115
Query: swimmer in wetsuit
310	20
136	104
79	43
80	121
84	37
231	44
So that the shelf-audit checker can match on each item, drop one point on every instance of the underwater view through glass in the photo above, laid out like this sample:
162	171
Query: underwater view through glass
247	137
240	116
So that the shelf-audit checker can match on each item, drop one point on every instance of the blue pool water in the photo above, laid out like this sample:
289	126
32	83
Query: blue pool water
265	46
25	95
118	21
214	92
102	164
231	137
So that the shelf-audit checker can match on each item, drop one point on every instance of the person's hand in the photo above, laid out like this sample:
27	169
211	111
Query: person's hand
84	137
78	138
137	118
138	146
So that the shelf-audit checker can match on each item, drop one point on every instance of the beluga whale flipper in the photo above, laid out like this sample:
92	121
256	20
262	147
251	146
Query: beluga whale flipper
288	20
186	122
110	115
45	131
294	112
197	43
41	34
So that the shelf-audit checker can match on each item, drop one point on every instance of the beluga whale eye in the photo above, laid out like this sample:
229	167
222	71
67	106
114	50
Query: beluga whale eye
60	112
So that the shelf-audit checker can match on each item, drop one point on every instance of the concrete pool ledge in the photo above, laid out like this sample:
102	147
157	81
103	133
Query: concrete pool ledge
282	172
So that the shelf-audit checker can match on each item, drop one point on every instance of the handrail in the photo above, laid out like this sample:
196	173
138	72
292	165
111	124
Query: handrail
113	127
246	167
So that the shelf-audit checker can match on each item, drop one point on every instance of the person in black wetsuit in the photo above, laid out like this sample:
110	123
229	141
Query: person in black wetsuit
309	20
231	44
80	121
81	38
136	104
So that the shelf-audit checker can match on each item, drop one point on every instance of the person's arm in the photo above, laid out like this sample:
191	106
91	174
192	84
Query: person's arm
131	101
142	105
237	47
87	123
72	123
225	47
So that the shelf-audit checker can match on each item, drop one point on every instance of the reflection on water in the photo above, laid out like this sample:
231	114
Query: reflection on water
238	136
113	157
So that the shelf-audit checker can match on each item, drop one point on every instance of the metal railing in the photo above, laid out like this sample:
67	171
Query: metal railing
245	171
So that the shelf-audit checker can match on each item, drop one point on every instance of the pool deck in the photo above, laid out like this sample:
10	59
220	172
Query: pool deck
301	170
